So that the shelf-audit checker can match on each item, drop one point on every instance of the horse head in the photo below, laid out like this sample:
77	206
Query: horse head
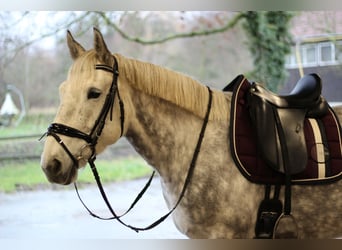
89	111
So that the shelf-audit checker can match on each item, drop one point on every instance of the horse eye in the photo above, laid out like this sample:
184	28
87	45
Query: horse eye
93	93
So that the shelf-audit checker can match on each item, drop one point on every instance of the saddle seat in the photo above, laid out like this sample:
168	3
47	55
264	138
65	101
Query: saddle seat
306	94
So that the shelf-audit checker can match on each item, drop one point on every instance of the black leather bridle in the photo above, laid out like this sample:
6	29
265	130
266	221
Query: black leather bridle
91	139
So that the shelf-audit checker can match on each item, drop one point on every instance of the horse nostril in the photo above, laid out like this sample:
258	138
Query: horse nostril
54	167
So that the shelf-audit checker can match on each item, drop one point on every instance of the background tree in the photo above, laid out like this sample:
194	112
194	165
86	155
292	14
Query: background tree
210	46
269	42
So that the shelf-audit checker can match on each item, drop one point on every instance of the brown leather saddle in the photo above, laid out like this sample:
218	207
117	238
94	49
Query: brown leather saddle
283	140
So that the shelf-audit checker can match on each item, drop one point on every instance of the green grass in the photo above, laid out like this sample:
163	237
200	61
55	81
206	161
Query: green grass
28	175
31	124
116	170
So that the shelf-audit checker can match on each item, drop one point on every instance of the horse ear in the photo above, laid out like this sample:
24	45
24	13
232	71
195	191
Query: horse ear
75	48
101	49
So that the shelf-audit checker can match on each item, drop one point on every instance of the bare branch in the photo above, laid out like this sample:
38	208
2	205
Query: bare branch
24	45
81	19
224	28
45	35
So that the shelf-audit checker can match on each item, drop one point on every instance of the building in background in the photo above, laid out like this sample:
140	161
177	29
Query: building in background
317	49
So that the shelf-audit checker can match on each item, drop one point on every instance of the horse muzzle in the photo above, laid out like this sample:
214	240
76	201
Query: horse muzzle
54	172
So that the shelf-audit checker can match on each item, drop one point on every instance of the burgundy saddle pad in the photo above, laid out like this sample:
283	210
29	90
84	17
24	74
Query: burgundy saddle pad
322	136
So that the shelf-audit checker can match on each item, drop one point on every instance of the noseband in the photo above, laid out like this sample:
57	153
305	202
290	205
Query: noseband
56	129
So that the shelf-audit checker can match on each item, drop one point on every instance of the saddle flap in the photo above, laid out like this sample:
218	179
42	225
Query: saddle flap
280	135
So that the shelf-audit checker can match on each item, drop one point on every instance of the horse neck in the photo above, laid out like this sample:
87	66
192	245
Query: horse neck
161	132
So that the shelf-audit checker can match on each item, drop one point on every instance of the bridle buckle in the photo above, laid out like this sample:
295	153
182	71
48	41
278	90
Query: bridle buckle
81	155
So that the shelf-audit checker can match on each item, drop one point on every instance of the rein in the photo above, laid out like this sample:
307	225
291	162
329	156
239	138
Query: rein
92	138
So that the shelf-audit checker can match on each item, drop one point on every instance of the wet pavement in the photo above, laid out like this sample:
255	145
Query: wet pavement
58	214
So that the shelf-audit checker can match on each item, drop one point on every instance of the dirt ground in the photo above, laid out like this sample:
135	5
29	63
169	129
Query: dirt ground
58	214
